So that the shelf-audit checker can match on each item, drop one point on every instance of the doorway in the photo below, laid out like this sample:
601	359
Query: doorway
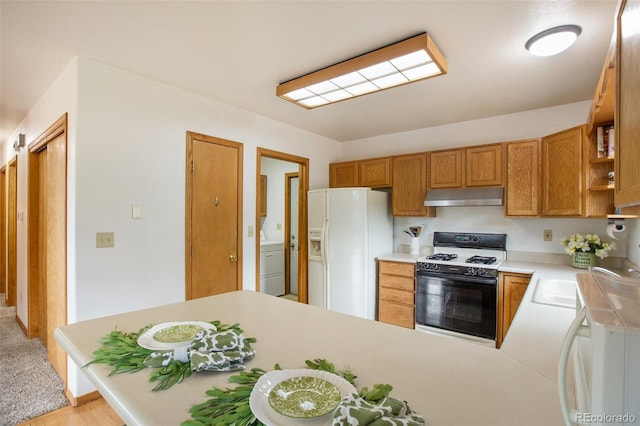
291	226
47	239
12	237
213	213
296	252
3	231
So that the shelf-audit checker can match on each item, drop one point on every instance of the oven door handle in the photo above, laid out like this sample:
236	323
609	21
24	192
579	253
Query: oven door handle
457	278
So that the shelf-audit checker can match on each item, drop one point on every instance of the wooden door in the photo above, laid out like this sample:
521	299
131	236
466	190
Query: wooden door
523	178
47	239
409	186
344	175
12	219
446	169
214	216
627	119
562	173
484	165
375	172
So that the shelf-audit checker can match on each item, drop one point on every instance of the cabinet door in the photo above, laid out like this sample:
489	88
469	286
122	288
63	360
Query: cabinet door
511	289
344	174
446	169
409	185
627	185
562	173
376	172
523	178
484	166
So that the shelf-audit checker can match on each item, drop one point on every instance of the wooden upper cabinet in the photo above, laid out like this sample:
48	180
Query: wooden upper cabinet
409	186
523	178
344	174
485	165
373	173
562	173
627	185
376	172
446	169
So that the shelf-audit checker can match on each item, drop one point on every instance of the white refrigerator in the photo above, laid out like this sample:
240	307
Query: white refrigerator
348	229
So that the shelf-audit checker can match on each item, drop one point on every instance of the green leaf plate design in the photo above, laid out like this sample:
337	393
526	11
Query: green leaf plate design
304	397
269	415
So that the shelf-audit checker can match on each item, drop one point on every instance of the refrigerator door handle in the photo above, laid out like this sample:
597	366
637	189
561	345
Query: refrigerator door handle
575	329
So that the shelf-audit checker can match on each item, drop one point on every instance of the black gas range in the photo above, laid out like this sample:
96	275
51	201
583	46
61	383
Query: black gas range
457	286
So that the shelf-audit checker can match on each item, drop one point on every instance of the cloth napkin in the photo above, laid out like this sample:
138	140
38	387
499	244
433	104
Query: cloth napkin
355	411
210	350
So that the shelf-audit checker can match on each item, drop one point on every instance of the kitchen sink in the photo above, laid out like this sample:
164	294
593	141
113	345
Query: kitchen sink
555	292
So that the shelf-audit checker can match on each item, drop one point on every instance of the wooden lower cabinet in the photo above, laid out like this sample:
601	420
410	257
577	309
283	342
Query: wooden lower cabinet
396	293
511	289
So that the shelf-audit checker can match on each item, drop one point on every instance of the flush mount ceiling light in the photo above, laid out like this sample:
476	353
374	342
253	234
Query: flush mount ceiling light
553	41
406	61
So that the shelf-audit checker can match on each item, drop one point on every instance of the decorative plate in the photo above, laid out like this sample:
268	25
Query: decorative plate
304	397
259	398
172	335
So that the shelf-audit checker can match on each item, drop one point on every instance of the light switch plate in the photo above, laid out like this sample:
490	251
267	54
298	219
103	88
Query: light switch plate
105	239
136	211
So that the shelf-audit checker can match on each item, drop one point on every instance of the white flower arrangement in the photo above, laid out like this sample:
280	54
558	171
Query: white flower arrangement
589	243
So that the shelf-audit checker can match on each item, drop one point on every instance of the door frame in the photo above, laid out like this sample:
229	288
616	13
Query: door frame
287	229
12	237
3	229
303	188
191	136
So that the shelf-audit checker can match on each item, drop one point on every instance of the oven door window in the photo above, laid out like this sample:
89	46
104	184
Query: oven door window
450	304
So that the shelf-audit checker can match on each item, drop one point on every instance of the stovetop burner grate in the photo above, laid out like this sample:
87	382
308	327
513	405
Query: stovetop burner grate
484	260
442	256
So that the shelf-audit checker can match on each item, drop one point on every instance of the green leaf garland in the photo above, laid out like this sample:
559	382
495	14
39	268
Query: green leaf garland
121	351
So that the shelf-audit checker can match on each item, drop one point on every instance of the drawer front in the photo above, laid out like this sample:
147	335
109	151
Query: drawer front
397	314
394	295
271	263
397	268
396	282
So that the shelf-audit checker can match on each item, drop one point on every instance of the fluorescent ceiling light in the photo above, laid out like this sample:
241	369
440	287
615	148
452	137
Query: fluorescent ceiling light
553	41
406	61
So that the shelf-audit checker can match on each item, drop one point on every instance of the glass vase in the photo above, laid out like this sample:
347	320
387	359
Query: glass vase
583	260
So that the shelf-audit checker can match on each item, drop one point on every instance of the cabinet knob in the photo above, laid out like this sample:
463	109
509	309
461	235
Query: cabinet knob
233	258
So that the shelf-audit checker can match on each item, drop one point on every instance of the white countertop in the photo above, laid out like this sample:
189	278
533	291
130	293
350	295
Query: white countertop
536	333
450	382
537	330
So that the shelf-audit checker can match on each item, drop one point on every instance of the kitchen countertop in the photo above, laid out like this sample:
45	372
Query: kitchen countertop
536	333
450	382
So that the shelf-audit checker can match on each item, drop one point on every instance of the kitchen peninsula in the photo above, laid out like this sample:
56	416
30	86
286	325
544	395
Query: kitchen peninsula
448	381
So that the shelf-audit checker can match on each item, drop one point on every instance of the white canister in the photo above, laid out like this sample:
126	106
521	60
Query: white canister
414	247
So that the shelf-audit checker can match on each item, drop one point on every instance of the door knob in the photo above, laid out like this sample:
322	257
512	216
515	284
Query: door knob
233	258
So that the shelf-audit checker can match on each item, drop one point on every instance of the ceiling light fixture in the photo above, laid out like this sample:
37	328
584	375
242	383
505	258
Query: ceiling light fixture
406	61
553	41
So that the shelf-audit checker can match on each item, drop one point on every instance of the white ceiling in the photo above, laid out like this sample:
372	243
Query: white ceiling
238	51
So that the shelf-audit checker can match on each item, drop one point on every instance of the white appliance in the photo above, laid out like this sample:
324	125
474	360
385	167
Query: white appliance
606	339
348	229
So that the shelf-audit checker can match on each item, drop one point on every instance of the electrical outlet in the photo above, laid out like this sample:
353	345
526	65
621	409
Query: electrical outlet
547	235
279	226
104	239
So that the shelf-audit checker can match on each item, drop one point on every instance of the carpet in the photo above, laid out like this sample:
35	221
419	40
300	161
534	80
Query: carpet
29	385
